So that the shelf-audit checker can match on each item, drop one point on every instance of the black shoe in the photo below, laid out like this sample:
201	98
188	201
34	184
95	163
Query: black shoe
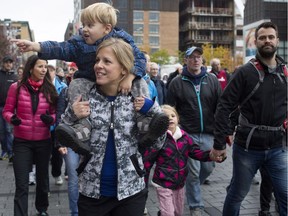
157	128
11	159
67	137
264	213
207	182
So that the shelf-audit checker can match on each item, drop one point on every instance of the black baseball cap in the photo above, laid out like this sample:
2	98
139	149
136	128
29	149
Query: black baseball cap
8	58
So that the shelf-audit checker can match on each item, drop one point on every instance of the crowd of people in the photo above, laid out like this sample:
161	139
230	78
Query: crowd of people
112	119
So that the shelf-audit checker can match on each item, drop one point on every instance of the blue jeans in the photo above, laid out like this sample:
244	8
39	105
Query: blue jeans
6	135
245	166
198	171
72	162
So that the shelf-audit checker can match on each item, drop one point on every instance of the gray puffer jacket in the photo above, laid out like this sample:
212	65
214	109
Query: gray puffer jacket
120	116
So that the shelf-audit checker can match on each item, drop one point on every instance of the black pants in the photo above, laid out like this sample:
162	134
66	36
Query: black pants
107	206
24	153
56	158
266	190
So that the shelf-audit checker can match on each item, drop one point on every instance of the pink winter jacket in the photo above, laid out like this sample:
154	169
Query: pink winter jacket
31	128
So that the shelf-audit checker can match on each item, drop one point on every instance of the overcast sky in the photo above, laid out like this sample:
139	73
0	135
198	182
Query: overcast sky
47	18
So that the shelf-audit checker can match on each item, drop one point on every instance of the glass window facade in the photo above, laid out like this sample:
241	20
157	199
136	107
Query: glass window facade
138	40
154	16
138	28
154	29
154	40
138	16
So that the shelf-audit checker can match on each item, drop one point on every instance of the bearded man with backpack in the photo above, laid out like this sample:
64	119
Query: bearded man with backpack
259	88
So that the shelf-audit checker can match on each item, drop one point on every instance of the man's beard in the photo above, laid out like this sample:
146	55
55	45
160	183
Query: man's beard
267	53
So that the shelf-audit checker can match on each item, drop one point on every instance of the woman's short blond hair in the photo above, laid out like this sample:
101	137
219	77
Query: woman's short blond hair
100	12
122	50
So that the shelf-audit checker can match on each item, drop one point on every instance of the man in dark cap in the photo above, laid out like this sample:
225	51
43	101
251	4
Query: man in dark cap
195	95
8	59
7	77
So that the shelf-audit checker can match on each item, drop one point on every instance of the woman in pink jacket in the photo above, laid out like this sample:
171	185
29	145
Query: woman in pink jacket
30	107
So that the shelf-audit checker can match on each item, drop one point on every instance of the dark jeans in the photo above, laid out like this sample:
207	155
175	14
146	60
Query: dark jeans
56	158
24	153
108	206
266	190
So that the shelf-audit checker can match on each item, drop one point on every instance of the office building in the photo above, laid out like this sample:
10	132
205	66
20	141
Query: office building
154	24
15	29
207	21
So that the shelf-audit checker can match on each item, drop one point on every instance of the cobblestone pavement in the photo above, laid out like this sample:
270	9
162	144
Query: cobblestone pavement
213	194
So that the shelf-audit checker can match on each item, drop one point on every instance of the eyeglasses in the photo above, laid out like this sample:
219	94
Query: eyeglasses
195	57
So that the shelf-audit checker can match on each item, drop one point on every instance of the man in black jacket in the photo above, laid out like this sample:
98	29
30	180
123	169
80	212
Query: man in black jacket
195	95
7	77
261	133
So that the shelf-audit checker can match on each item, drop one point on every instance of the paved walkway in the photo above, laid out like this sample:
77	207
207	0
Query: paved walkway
214	194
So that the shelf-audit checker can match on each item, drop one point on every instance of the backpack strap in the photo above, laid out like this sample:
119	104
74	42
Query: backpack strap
261	74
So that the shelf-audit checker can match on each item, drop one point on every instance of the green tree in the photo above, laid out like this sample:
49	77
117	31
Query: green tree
181	56
160	57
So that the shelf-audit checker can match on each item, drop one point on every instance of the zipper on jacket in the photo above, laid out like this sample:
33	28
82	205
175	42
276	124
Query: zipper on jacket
112	116
199	101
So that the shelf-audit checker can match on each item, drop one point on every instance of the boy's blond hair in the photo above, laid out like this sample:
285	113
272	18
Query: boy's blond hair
168	107
100	12
122	50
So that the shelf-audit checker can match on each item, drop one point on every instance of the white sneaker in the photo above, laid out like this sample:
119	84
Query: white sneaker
145	211
58	180
32	180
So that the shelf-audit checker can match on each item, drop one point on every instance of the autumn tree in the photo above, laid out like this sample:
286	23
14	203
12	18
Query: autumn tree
224	54
161	57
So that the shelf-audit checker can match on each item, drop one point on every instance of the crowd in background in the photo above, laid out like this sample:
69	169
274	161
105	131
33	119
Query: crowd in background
187	123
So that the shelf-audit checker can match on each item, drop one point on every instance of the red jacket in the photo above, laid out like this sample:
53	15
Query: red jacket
223	78
31	128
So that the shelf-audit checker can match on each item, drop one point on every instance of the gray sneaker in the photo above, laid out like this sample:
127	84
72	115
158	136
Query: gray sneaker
67	136
196	212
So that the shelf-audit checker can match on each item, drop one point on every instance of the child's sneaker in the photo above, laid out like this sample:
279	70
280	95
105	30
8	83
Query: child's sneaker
67	136
157	127
4	155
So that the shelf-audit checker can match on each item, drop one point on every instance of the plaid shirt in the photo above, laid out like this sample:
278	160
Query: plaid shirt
84	55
